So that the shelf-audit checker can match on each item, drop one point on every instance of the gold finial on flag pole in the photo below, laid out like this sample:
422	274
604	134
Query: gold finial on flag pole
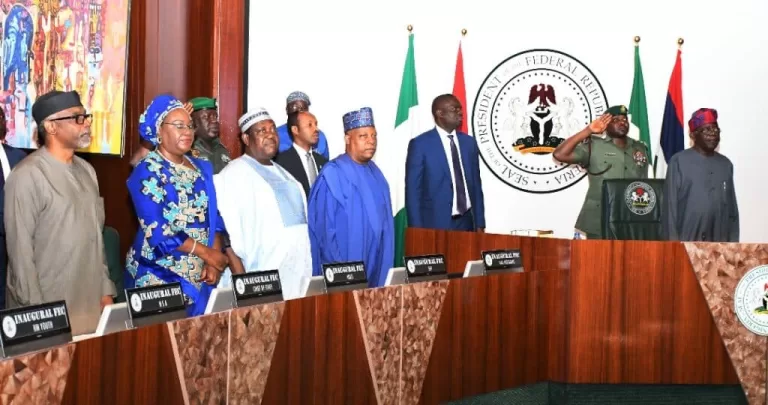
637	40
410	28
463	32
680	43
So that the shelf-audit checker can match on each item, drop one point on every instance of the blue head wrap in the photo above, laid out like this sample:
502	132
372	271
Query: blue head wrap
153	116
358	119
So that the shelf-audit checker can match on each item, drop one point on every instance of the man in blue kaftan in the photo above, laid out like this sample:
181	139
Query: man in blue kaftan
350	212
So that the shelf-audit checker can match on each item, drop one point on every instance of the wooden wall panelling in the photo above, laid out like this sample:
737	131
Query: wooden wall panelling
637	315
549	294
228	64
199	48
131	367
704	343
538	253
498	332
167	60
320	355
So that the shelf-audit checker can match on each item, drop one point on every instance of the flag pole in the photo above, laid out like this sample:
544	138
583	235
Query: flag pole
656	157
410	28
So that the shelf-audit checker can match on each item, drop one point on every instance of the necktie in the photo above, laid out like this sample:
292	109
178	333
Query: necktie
311	172
458	178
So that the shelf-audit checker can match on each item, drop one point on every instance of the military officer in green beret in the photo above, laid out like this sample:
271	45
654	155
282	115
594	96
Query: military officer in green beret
207	145
604	149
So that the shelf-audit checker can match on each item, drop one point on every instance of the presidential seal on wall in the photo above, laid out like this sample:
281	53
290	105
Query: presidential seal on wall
527	106
640	198
751	300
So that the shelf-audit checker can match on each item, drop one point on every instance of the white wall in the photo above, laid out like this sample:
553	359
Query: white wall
351	54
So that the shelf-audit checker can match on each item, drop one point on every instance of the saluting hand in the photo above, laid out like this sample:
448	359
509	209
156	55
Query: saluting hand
599	125
188	107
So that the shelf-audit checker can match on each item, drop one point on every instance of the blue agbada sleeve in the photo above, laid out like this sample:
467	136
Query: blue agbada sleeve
285	140
325	221
150	197
322	145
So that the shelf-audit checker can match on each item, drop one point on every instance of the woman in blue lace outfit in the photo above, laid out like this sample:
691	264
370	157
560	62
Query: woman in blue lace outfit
180	230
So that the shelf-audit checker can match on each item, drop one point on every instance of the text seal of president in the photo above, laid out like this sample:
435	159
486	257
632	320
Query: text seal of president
527	106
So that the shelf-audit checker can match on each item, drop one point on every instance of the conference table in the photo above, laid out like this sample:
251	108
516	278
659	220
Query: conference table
582	311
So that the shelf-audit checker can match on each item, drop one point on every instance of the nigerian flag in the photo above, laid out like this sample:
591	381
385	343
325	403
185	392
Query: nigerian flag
406	128
638	109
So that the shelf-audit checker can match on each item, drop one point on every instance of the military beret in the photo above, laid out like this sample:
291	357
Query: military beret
618	110
203	103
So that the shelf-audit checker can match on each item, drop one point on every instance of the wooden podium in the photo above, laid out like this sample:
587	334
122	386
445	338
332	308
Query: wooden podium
581	312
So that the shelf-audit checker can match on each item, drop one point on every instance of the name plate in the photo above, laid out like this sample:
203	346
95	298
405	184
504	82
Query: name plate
34	327
425	266
154	300
261	284
344	274
502	259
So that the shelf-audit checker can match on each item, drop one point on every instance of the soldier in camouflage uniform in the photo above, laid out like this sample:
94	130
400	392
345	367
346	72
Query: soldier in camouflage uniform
207	145
607	154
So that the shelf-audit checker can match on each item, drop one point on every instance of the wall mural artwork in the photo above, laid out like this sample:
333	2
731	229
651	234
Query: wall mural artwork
65	45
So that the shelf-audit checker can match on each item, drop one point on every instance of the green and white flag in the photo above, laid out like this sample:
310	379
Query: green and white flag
406	128
638	111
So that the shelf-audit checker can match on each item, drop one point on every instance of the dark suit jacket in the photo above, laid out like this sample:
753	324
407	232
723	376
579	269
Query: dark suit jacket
291	161
428	183
14	157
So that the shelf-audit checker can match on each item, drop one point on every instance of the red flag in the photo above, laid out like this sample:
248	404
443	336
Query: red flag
459	90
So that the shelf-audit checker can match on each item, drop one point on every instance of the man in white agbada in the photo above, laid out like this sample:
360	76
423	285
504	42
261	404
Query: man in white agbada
264	208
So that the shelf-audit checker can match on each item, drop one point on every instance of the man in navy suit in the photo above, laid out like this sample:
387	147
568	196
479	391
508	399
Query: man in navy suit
442	174
9	158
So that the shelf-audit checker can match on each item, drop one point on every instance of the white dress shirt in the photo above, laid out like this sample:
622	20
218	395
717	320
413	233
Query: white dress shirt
303	158
447	147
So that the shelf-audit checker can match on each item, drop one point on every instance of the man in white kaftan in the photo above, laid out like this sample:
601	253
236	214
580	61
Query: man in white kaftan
264	209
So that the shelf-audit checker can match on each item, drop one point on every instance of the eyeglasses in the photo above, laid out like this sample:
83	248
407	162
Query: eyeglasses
180	126
79	118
